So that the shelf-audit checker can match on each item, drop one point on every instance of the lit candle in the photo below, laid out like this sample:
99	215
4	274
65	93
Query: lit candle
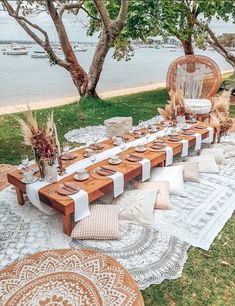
57	140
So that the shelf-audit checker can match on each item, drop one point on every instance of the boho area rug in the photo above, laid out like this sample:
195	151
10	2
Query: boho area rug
149	256
68	277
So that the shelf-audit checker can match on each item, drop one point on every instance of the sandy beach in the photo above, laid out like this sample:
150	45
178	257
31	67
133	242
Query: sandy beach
63	101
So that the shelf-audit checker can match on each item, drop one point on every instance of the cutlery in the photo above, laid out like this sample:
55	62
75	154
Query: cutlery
71	187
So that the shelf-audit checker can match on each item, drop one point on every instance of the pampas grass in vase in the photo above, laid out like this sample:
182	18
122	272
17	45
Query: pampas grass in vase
220	114
40	138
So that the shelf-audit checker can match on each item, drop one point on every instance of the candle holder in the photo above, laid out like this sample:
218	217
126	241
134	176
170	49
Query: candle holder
61	168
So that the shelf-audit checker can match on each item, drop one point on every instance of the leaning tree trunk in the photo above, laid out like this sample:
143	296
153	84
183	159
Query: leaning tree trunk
105	42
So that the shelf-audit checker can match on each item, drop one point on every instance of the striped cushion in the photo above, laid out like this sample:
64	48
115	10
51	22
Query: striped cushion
102	224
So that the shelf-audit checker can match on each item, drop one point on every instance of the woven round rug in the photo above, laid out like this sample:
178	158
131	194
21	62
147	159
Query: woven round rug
68	277
4	169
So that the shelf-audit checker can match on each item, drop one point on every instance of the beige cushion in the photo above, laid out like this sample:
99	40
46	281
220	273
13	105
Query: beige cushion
218	154
190	171
137	206
206	163
163	200
174	175
101	224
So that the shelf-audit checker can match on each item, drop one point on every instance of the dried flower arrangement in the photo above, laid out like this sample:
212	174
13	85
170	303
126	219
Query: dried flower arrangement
175	106
41	139
220	114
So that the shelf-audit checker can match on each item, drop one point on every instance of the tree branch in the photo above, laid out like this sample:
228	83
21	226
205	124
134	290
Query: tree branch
101	8
122	12
70	6
24	22
88	13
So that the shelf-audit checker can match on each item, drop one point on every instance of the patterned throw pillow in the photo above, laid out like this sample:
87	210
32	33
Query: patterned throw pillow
137	206
163	200
102	224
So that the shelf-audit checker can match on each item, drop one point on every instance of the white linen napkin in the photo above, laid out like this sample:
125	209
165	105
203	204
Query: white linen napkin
185	147
210	137
33	196
169	156
118	183
198	141
146	169
81	205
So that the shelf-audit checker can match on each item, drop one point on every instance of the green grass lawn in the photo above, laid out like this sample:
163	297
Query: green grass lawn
208	277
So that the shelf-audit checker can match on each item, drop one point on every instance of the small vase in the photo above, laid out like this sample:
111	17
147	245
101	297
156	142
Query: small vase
51	173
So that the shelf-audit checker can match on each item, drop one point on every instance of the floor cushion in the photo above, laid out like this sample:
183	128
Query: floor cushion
137	206
102	224
198	106
191	171
163	200
174	175
218	154
206	163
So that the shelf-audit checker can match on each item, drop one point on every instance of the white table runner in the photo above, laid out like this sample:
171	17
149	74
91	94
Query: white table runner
198	141
210	137
185	148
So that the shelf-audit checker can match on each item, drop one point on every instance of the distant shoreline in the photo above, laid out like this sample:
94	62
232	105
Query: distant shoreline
64	101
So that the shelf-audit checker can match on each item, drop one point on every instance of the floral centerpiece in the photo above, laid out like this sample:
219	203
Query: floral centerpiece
175	106
41	139
220	114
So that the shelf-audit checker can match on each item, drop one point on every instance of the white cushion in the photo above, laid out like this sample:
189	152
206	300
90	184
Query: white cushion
190	171
198	106
137	206
174	175
207	163
218	154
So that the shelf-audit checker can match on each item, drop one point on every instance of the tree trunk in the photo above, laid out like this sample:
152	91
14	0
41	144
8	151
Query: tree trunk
105	42
188	47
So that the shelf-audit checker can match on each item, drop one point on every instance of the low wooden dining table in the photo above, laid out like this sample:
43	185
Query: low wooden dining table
97	187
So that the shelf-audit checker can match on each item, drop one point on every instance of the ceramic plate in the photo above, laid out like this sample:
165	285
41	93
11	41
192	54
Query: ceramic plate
116	162
81	179
143	150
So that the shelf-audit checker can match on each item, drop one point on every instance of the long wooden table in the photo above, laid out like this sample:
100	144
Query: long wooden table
96	188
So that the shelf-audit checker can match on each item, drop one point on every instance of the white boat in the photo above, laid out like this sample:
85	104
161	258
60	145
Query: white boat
79	48
16	52
40	55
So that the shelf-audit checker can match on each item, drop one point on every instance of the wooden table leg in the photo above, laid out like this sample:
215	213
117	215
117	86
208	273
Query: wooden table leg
67	224
20	196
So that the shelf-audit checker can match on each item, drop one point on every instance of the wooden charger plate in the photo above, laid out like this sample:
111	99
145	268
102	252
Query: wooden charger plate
157	146
102	174
188	133
200	127
61	189
174	139
69	156
96	146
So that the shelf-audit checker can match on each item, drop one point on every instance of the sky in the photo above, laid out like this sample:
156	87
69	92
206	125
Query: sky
10	30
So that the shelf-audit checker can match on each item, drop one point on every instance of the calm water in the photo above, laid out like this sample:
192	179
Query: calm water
25	79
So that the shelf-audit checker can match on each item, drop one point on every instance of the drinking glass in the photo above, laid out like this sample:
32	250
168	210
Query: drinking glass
141	124
66	148
122	146
92	158
147	135
25	160
95	138
165	128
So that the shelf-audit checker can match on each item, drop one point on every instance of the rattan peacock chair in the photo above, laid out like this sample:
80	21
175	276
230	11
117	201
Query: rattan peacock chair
198	78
